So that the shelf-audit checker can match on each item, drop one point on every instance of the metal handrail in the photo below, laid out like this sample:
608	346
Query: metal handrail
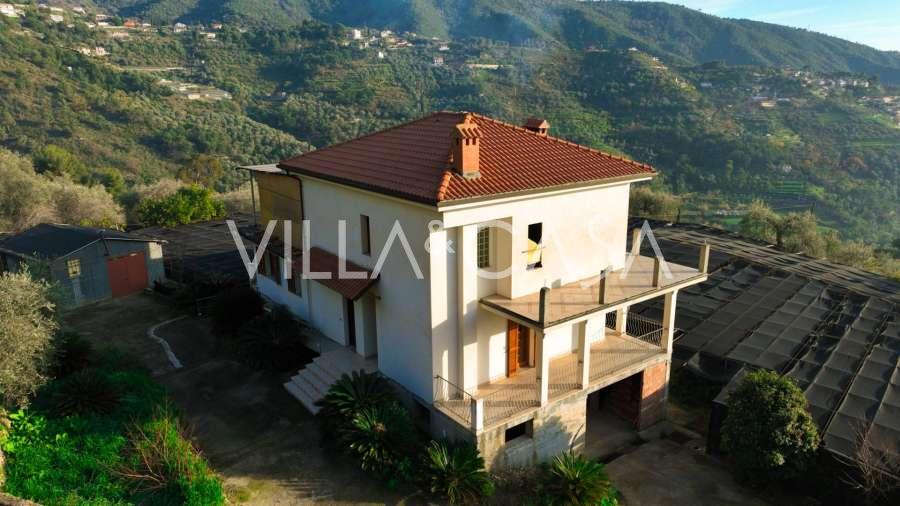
453	399
639	327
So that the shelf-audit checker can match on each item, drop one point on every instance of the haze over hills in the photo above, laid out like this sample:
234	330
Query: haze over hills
682	35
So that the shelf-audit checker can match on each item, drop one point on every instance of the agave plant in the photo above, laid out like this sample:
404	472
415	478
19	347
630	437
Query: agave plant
455	473
72	353
378	436
85	392
573	479
354	393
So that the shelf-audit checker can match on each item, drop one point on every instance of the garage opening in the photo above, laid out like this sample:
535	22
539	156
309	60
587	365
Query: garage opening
612	416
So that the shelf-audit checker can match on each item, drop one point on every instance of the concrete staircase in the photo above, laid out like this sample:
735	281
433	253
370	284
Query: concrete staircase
311	383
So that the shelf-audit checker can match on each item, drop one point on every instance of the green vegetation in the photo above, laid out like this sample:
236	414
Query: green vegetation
455	472
768	433
27	327
99	431
296	84
361	414
187	205
571	478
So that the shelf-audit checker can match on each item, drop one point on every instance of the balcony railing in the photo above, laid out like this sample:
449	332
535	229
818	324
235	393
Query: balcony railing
494	402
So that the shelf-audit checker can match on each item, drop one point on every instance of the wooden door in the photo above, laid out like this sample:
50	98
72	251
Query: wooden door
127	274
525	347
512	348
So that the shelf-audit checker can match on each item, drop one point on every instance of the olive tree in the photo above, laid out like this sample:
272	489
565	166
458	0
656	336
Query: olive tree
768	432
27	327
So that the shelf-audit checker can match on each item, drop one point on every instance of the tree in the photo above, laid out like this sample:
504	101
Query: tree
655	204
876	463
27	327
760	222
768	432
203	170
56	160
187	205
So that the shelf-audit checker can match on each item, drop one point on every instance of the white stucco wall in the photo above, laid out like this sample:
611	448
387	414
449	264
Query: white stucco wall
583	232
402	307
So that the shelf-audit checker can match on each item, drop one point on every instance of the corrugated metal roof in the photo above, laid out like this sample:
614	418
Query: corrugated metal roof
50	240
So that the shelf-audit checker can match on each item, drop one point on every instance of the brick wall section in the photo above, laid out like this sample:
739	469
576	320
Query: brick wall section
625	398
653	395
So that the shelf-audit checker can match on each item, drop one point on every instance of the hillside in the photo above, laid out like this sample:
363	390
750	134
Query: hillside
676	33
721	135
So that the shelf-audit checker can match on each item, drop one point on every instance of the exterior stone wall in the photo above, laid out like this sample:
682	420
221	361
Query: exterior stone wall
555	429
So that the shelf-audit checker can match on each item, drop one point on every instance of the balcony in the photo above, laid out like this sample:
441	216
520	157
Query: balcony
614	357
643	277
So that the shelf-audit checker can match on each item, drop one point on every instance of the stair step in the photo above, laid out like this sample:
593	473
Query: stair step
327	375
315	388
302	396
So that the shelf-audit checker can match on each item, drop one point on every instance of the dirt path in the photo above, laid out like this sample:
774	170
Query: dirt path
262	441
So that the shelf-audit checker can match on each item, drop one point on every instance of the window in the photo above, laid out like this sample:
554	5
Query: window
364	238
484	248
524	429
74	266
534	251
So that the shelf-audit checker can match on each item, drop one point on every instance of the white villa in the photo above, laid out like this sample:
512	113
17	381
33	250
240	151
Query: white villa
483	268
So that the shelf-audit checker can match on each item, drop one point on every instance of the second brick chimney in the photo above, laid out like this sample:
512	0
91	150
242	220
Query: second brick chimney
465	148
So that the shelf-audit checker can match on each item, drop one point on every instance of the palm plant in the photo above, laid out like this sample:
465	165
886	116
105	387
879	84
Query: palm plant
378	435
573	479
354	393
455	472
86	391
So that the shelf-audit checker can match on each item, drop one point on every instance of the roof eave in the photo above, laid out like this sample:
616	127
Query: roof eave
631	178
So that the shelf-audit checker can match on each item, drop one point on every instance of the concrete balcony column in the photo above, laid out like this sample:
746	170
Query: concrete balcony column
584	354
668	322
622	319
467	291
477	417
542	361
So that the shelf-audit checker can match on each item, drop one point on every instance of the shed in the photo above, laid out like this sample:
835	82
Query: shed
89	264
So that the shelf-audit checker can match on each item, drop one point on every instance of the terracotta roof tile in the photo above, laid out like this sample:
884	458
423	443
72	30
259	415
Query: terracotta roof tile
323	261
413	161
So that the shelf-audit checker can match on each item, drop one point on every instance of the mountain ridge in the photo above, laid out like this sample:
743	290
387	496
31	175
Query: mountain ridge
675	32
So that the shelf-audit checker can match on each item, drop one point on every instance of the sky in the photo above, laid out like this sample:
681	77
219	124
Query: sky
875	23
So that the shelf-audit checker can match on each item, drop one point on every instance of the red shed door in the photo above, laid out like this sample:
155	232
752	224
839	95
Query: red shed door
127	274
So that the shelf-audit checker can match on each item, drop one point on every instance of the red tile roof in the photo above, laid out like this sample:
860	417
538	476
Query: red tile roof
413	161
323	261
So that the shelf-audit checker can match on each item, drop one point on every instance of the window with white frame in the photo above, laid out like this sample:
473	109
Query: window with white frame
483	247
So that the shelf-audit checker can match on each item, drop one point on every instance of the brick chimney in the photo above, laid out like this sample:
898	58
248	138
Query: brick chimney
465	148
538	125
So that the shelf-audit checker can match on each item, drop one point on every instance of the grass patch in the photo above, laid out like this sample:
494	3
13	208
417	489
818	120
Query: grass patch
130	452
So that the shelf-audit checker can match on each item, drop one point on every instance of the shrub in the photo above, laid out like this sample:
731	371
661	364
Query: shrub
353	393
164	466
574	479
187	205
71	353
27	328
379	436
234	307
768	433
62	461
455	473
85	392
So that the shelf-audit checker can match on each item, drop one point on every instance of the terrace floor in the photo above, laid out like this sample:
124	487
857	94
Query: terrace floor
508	397
582	297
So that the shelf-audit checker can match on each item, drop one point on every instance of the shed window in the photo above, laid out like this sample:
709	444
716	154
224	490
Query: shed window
365	239
534	251
74	267
484	247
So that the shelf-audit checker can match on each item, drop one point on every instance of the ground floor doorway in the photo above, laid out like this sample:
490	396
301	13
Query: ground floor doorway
611	419
520	344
